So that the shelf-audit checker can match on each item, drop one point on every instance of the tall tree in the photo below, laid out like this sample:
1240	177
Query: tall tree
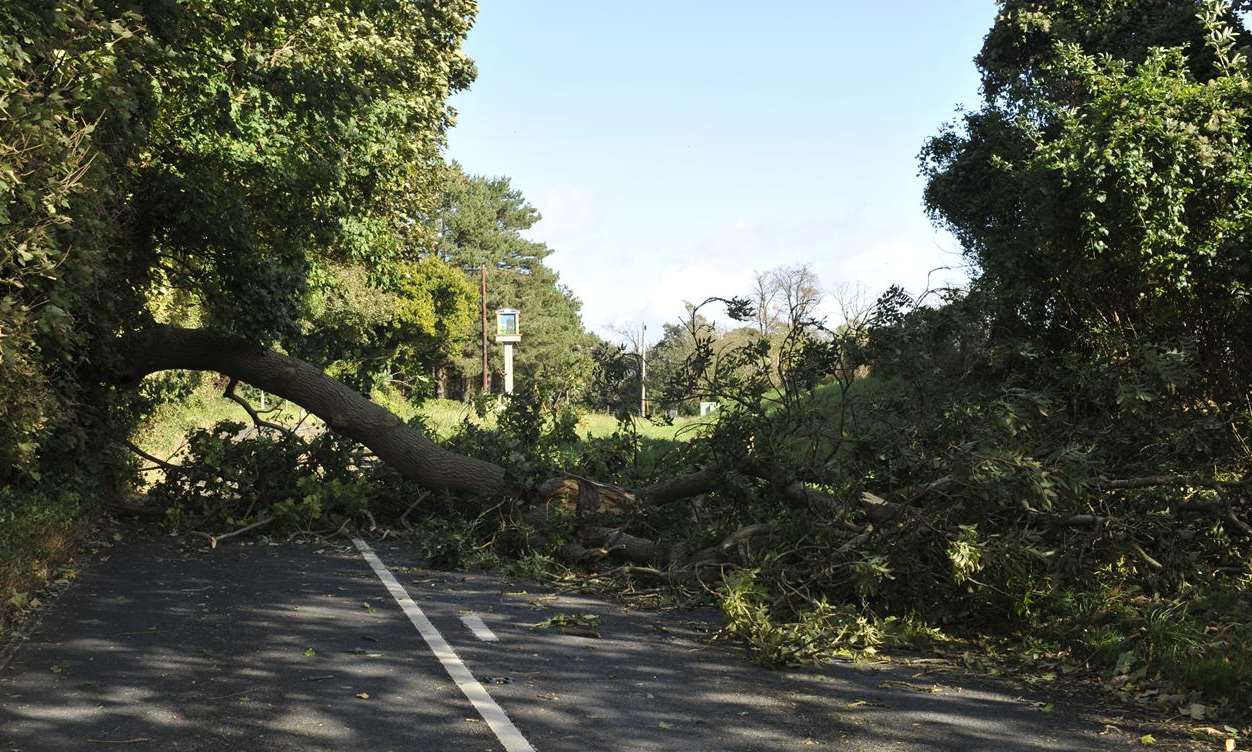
405	329
783	294
765	301
799	291
1103	187
667	358
481	222
231	151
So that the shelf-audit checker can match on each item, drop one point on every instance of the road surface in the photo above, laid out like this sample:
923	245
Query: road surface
165	645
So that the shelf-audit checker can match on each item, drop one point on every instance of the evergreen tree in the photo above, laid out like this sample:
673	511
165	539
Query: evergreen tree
482	223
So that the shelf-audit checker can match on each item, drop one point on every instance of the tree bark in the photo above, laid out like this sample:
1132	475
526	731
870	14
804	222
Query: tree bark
619	544
344	410
683	486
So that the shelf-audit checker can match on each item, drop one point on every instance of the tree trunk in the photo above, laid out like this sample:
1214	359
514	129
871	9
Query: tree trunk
683	486
441	381
345	411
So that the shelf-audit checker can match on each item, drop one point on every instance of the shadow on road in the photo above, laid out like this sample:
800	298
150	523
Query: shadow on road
243	648
269	647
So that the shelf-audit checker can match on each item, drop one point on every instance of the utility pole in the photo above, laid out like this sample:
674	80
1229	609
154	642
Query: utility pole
482	292
643	371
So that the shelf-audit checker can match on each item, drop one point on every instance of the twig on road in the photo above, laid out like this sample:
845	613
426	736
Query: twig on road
215	539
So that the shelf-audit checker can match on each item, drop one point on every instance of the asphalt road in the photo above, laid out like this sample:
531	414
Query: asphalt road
165	646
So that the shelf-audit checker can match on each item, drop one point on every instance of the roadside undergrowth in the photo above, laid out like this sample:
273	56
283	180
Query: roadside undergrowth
36	541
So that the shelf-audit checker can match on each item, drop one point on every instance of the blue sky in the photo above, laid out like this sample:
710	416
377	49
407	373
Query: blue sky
675	147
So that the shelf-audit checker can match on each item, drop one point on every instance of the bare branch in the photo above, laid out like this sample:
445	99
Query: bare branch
1154	481
257	420
215	539
160	463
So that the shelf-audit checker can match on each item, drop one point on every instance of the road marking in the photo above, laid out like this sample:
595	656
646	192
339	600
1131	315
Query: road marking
492	713
480	629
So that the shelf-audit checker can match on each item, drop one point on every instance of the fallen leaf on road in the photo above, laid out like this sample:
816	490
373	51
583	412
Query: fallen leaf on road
933	689
363	695
579	625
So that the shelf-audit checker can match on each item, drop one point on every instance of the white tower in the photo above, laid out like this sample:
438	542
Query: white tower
508	333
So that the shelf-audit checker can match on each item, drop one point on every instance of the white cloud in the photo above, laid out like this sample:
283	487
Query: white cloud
627	273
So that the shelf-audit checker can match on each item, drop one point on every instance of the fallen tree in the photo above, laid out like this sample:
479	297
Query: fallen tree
344	410
598	507
416	457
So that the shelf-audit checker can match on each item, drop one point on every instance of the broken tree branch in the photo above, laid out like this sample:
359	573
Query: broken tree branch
683	486
215	539
1153	481
160	463
257	420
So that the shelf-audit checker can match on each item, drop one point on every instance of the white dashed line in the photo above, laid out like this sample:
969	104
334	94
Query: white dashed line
492	713
480	630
